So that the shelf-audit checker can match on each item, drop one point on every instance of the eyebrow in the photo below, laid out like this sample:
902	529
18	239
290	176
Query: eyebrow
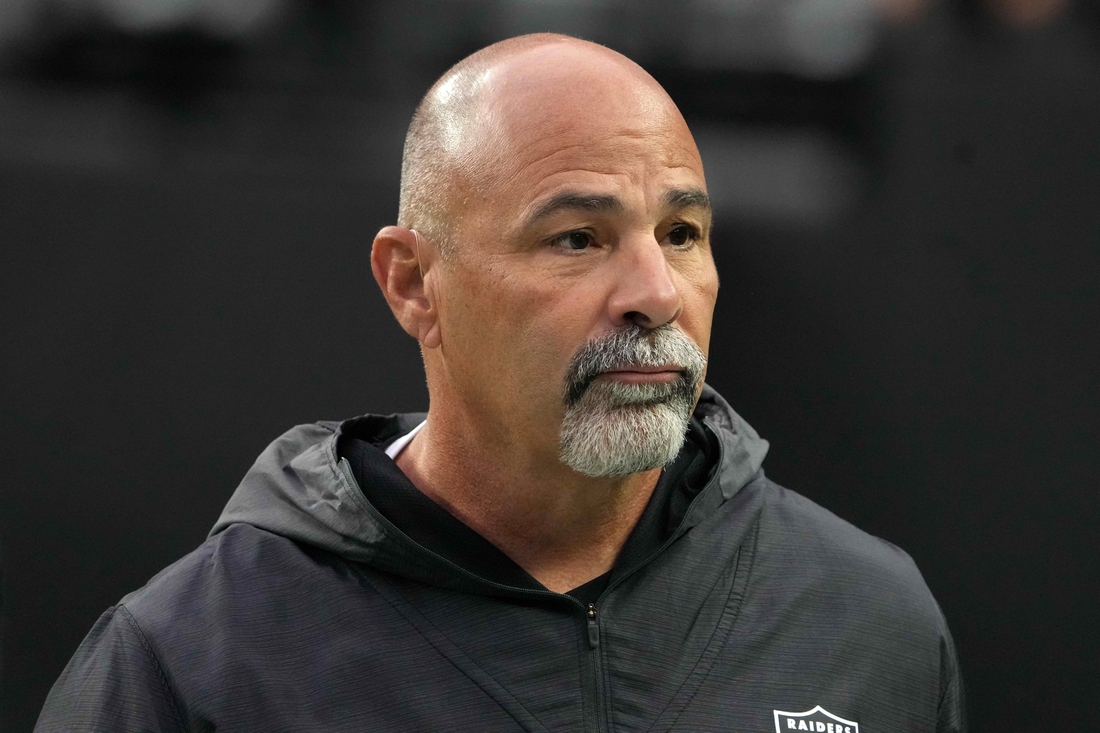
574	201
687	198
677	198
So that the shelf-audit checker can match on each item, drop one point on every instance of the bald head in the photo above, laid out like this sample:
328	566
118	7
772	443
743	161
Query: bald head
466	136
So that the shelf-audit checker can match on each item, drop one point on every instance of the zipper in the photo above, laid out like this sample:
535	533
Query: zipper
593	617
601	700
594	683
592	613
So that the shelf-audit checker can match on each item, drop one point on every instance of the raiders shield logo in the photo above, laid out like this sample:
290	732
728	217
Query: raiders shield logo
818	720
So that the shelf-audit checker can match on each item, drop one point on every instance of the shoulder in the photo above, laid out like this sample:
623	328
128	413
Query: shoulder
210	619
241	556
805	550
809	530
147	655
240	576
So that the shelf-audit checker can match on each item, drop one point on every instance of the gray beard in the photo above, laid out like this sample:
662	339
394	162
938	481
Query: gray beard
612	429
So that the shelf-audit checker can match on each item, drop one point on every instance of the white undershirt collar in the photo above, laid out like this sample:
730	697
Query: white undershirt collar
398	445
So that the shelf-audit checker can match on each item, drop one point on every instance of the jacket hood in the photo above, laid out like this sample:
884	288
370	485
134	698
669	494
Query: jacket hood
301	489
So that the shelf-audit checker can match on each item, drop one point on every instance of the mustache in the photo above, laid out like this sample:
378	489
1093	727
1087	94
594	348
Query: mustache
632	347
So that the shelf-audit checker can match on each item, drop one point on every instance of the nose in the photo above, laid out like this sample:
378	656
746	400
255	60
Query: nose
645	292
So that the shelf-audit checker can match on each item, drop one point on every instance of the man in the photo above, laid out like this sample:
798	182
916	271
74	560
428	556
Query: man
579	535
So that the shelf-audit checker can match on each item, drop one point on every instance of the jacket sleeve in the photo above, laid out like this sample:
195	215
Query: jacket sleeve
952	712
113	682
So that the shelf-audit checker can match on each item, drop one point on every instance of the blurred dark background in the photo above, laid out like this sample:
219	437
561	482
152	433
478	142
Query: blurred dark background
908	238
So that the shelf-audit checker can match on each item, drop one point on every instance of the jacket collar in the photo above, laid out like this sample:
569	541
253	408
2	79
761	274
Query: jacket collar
301	489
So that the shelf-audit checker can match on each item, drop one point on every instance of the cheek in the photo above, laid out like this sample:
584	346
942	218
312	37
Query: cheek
547	325
526	328
699	290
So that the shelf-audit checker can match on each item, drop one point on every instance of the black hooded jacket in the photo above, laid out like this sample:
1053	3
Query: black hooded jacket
747	608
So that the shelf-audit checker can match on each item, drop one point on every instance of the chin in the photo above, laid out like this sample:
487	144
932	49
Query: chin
605	435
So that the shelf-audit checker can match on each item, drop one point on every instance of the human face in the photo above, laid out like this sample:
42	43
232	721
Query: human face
593	223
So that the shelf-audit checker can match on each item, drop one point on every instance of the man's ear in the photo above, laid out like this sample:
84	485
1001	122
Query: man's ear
395	262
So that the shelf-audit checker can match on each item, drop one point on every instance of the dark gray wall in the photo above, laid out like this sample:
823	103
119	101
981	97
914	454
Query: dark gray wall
926	367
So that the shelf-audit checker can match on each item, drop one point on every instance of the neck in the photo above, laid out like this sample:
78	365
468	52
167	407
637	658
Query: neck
560	526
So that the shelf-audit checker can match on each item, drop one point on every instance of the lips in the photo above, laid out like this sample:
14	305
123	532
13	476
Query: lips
645	369
644	374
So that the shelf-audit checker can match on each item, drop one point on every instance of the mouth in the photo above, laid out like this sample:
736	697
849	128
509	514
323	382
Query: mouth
643	374
636	364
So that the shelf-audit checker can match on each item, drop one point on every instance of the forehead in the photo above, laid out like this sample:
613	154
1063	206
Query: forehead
562	119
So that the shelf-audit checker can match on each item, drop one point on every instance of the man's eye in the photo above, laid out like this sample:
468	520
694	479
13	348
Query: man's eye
682	235
574	240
